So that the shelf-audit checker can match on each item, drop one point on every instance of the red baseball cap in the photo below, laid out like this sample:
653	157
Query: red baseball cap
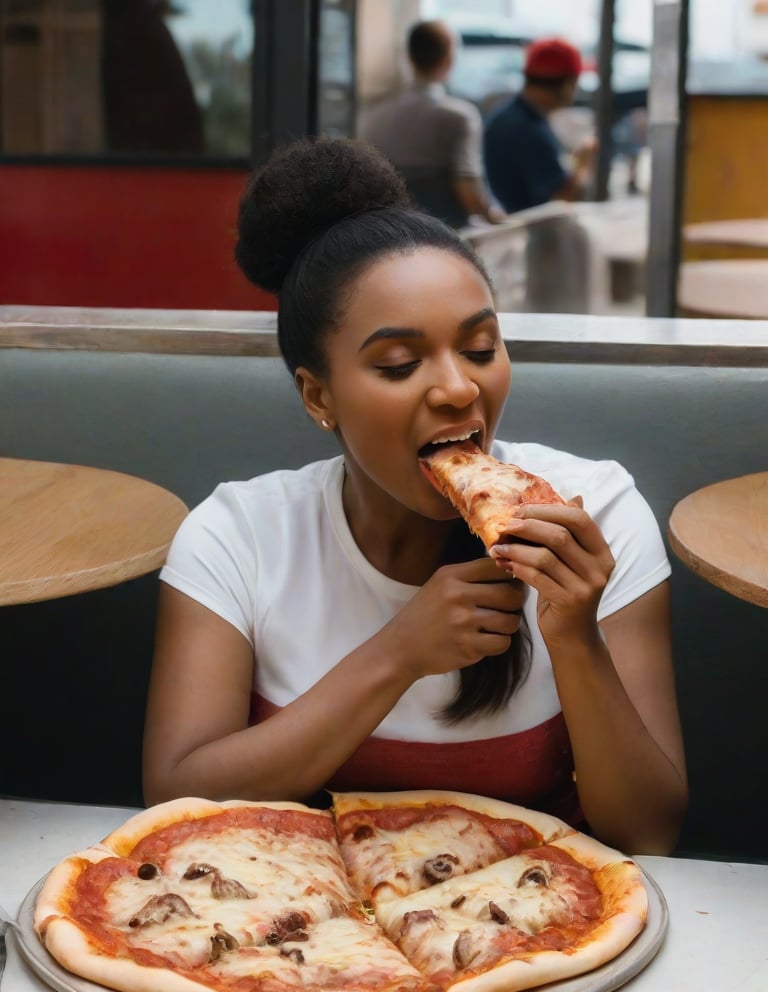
552	58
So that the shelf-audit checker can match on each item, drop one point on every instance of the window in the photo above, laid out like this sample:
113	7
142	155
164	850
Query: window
126	78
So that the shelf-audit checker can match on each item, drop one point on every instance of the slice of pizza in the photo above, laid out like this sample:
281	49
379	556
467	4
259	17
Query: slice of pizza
397	843
194	895
487	493
545	914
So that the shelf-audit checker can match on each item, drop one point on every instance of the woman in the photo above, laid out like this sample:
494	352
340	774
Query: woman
338	625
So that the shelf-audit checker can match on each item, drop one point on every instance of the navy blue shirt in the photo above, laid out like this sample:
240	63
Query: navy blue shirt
522	156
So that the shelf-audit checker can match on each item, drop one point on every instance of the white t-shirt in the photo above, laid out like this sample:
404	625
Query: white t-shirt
274	556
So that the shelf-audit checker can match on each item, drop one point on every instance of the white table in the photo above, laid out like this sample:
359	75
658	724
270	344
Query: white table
717	939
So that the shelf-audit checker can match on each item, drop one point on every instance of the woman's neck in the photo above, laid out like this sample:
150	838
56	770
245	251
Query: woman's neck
399	543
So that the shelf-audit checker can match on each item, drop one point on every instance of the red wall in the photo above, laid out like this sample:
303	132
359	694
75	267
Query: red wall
122	237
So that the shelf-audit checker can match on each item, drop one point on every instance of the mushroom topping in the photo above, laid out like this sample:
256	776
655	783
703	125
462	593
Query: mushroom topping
290	926
222	941
158	909
497	913
221	887
228	888
533	876
439	868
294	953
199	870
464	952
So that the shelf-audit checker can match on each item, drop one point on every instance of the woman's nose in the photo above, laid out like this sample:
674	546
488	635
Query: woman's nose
452	386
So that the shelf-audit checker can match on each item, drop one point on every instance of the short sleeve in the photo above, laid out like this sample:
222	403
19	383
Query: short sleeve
632	533
611	498
207	560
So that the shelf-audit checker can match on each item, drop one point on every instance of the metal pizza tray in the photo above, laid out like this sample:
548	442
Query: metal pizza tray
606	978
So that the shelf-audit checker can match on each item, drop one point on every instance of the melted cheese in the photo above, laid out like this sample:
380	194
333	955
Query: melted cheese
390	863
427	924
280	874
485	491
340	951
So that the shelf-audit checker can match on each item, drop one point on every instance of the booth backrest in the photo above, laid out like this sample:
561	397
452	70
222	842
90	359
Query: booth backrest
74	671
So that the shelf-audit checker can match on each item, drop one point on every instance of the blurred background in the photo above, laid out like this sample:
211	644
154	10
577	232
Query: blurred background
127	128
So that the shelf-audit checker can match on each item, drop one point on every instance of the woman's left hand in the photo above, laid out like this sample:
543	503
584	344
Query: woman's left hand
560	551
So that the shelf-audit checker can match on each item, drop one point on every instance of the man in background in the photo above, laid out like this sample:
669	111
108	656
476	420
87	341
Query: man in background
522	153
433	139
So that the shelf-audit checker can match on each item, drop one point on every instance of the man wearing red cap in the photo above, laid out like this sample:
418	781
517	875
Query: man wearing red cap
522	154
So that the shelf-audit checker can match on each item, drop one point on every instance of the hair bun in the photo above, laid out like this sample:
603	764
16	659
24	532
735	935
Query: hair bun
303	189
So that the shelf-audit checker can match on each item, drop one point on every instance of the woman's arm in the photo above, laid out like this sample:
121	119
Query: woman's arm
197	740
619	702
616	688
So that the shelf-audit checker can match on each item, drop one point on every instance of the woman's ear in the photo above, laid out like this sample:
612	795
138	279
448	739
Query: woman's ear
315	397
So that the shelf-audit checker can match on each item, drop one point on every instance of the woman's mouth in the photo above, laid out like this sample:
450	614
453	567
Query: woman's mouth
448	439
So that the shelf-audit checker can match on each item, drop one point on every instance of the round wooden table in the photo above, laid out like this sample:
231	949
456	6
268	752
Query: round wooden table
733	287
66	529
747	232
721	533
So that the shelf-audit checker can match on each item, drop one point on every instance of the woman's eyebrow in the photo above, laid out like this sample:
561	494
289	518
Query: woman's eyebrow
391	332
477	318
388	333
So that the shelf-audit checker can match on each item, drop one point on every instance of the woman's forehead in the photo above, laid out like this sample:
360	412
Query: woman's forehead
406	278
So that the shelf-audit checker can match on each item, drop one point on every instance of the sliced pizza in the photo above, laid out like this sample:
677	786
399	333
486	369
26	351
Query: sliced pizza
396	843
545	914
194	895
486	492
398	892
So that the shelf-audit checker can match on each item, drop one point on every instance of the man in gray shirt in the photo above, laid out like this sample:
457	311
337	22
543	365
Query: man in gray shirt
433	139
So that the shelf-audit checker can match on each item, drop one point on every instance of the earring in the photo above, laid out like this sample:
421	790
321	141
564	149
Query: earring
325	425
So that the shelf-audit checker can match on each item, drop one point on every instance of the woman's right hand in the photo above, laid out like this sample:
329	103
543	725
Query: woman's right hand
463	613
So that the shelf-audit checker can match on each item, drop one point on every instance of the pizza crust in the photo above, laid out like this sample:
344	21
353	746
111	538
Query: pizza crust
625	912
123	840
618	879
67	943
547	826
623	916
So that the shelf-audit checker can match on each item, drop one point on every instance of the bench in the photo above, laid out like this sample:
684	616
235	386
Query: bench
680	403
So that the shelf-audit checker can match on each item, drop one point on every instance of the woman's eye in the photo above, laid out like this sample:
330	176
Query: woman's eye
398	371
481	357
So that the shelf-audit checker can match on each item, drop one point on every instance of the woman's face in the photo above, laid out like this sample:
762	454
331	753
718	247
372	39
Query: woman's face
417	358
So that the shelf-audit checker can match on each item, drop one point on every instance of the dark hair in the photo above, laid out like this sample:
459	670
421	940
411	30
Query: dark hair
319	212
311	220
429	42
489	684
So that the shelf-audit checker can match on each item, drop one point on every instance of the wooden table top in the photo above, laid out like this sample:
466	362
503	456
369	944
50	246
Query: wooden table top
721	533
748	232
731	287
66	529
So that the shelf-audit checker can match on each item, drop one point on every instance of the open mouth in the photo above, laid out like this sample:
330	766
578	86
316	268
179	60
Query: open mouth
470	439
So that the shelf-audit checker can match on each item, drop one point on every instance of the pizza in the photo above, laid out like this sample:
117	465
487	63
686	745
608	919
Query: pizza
400	892
487	493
